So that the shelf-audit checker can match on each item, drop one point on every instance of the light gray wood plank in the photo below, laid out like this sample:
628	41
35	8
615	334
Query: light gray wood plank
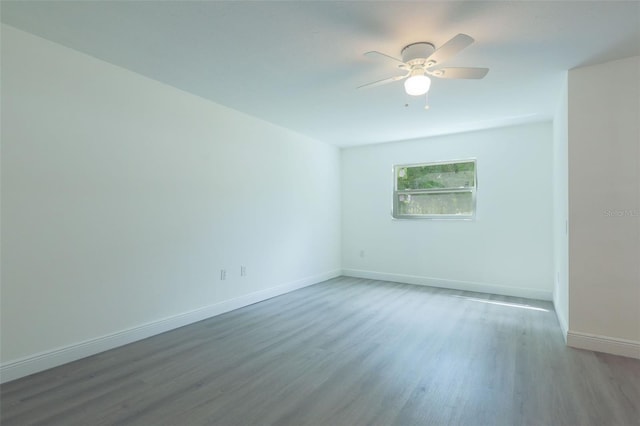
344	352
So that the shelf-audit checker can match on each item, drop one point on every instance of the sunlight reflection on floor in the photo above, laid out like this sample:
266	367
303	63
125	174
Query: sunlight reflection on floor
509	304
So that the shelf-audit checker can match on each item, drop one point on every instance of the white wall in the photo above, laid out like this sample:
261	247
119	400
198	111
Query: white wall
604	207
122	198
560	210
506	250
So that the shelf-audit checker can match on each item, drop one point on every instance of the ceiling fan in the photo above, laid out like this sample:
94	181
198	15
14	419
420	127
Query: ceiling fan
422	60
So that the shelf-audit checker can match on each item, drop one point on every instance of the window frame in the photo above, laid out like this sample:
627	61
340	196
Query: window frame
395	208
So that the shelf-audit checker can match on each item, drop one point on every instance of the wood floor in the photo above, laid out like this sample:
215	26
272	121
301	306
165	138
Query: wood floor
344	352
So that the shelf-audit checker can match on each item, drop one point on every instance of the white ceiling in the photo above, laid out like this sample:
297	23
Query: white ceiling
297	63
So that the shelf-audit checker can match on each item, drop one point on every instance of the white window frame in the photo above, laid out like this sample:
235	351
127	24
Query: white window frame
473	190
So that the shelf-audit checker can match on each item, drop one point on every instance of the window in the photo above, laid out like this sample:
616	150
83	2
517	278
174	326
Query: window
444	190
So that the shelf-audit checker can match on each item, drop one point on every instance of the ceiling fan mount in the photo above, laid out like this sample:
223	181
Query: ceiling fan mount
417	53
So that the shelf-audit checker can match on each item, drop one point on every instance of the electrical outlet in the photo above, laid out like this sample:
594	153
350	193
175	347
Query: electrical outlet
223	274
243	271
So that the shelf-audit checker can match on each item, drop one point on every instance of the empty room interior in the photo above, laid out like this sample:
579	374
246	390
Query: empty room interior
320	213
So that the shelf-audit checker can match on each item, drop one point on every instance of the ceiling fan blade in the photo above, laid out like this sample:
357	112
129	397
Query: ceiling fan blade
449	49
384	81
374	54
466	73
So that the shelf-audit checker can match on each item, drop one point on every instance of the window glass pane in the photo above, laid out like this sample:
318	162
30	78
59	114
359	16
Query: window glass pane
437	176
438	203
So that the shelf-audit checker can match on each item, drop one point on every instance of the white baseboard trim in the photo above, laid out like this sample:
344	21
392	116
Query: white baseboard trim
42	361
606	344
528	293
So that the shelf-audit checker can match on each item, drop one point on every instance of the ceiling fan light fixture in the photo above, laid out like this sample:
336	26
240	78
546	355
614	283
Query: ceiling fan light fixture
417	84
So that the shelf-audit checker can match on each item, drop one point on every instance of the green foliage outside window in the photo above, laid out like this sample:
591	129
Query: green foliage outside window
436	176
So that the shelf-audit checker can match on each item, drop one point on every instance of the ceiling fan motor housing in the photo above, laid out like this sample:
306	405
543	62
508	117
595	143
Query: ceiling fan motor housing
417	53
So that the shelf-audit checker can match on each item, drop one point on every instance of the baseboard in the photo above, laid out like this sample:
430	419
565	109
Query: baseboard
606	344
528	293
42	361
